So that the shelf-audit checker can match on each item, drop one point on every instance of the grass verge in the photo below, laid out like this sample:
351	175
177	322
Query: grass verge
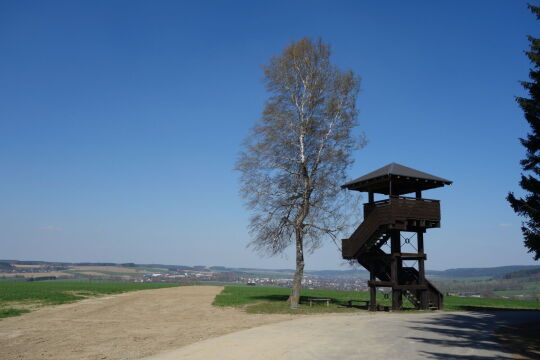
4	313
474	304
272	300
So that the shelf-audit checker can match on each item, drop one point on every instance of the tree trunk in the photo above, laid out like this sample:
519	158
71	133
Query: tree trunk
299	273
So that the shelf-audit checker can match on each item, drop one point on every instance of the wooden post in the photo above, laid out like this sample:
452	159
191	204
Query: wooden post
371	197
421	271
372	290
395	247
419	194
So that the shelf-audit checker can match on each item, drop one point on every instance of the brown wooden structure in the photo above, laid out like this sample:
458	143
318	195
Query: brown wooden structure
384	223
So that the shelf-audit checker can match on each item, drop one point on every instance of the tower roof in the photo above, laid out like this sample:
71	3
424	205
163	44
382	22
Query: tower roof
397	179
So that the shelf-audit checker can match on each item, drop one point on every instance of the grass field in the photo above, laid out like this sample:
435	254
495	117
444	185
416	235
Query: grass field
529	288
16	297
273	300
435	279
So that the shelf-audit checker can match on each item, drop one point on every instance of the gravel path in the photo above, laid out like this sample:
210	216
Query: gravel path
439	335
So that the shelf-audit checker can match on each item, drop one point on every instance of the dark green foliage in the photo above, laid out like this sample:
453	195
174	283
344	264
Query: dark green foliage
529	205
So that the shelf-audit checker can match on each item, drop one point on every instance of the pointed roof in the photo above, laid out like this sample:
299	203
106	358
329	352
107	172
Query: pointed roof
404	180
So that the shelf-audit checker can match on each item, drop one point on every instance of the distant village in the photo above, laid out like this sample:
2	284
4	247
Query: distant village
309	281
34	271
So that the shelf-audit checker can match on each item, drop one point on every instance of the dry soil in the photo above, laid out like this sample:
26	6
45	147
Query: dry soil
126	326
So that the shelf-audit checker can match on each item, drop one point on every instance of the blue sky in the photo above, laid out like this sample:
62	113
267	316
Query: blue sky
120	121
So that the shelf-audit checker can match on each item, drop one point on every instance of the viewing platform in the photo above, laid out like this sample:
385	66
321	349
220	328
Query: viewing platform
384	221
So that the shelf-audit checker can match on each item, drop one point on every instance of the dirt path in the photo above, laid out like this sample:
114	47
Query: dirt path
126	326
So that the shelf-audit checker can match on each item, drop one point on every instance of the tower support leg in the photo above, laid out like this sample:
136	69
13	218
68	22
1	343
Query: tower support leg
424	303
372	298
395	246
372	290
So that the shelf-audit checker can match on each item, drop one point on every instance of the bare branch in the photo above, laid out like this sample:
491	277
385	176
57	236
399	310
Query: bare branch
297	155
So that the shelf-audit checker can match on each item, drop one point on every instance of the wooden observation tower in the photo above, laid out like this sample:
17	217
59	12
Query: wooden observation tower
384	223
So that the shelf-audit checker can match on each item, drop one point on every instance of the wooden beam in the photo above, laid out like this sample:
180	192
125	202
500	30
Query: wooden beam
424	303
411	287
395	267
372	290
410	256
376	284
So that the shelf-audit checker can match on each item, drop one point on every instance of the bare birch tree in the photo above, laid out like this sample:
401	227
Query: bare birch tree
295	157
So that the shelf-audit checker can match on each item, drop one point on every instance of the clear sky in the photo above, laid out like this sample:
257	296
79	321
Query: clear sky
120	121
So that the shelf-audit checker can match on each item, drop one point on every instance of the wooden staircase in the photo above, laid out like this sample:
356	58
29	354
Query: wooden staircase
383	220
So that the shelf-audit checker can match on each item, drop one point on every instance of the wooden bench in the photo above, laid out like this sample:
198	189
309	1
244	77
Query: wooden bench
366	302
312	300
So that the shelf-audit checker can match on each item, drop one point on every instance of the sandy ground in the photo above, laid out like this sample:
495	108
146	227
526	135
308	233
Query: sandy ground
126	326
394	336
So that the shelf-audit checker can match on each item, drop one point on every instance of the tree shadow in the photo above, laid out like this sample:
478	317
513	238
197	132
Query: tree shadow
522	338
305	300
435	355
472	331
272	298
353	306
339	302
484	309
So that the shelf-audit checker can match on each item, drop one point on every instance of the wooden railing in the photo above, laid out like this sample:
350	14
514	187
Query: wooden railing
389	212
364	232
403	206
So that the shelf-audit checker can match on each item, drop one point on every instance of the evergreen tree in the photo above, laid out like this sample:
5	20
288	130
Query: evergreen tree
529	205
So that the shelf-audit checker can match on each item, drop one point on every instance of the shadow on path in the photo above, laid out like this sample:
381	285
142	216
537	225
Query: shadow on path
473	331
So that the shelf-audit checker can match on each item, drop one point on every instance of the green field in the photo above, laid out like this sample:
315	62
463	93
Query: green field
531	288
436	279
102	273
17	296
146	268
466	303
273	300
